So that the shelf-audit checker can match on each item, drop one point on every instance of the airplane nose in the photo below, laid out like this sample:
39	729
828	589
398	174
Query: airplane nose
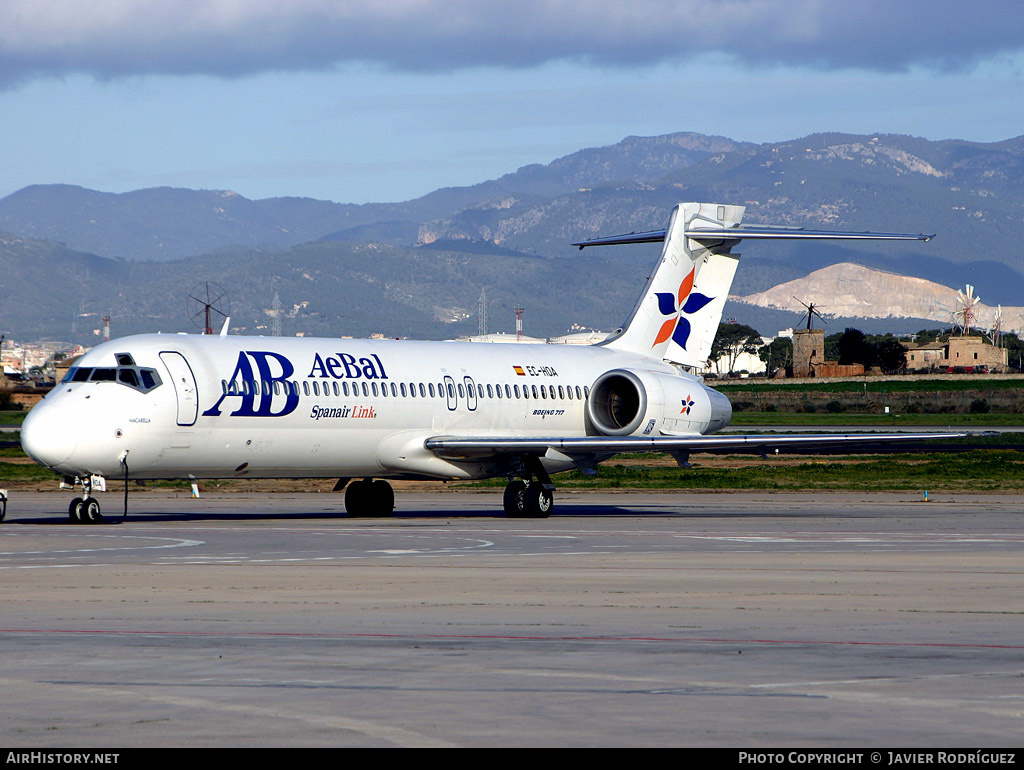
46	438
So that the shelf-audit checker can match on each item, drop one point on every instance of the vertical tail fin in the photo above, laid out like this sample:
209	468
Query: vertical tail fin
677	316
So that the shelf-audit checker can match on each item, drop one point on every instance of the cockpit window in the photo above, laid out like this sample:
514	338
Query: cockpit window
135	377
128	377
103	375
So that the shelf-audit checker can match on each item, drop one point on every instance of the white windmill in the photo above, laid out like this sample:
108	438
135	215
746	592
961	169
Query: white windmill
997	326
966	312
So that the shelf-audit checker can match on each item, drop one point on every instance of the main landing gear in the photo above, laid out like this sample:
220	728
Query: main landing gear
369	498
533	498
85	509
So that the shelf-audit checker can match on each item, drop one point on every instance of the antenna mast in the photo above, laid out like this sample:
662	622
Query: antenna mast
481	312
275	309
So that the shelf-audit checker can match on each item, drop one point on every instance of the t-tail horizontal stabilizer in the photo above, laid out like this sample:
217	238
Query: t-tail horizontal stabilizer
761	232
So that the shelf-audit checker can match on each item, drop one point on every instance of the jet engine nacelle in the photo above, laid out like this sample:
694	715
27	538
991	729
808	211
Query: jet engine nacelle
626	402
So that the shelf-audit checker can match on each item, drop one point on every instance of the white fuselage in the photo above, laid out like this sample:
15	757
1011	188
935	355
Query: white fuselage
263	407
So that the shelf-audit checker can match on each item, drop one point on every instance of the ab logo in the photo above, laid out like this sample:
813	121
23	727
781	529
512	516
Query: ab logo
259	401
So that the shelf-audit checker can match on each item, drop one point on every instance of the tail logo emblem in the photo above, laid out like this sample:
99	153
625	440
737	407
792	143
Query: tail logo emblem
687	303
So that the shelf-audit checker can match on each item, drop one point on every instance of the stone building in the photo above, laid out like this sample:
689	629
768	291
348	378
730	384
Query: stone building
808	351
809	357
966	353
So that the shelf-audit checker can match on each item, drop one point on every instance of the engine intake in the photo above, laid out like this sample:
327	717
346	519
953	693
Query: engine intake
618	403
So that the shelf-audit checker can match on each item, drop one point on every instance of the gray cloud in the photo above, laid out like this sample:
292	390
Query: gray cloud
116	38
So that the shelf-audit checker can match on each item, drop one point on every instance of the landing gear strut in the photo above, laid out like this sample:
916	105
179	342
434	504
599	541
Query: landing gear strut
85	509
369	498
533	498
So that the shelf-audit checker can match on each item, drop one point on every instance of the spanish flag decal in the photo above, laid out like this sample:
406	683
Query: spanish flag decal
519	371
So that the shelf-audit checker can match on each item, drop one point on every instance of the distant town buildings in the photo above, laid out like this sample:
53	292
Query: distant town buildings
581	337
503	337
33	360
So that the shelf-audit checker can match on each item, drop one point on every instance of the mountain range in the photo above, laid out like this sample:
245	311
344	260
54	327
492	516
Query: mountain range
417	267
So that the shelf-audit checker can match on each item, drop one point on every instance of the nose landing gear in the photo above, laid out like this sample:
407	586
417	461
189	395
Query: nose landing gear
85	509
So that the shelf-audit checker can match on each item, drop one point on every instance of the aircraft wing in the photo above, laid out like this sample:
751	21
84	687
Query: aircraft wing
479	448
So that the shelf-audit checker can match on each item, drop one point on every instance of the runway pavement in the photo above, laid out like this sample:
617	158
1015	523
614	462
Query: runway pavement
747	620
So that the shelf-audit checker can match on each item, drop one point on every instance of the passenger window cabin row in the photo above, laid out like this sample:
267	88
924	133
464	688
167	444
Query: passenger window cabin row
373	389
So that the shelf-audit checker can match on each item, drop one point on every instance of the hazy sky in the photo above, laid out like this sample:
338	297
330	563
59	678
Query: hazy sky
354	102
